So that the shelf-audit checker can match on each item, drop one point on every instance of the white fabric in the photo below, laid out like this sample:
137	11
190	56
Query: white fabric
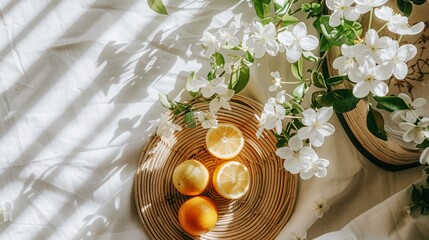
79	81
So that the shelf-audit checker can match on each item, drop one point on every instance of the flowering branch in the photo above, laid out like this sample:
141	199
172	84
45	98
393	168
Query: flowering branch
367	60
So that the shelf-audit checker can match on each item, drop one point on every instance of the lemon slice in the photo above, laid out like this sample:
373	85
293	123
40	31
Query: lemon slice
225	141
231	179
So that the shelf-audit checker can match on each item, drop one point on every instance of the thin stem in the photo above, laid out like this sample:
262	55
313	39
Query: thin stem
293	117
400	39
291	83
370	17
382	27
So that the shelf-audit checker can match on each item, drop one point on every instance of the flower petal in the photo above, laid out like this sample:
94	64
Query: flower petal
324	114
335	19
293	53
284	152
295	143
309	43
379	88
299	30
361	89
400	70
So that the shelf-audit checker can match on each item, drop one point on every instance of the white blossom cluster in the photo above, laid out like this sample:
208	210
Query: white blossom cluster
368	64
261	39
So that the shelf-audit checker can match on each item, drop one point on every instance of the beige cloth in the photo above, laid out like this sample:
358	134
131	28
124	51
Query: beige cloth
79	82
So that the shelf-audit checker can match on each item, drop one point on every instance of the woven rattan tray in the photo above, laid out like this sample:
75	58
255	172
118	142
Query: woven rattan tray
260	214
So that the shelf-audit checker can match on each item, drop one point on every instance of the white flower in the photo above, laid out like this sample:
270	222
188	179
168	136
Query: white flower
415	109
261	124
375	44
316	167
341	9
5	213
206	119
405	28
165	127
227	36
217	85
274	114
221	101
349	61
193	84
369	79
163	99
296	155
424	157
316	125
277	83
387	14
394	59
320	206
211	42
298	236
296	41
415	133
364	6
262	39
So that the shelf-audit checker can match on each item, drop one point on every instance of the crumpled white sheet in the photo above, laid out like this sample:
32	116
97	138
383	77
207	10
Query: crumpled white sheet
79	81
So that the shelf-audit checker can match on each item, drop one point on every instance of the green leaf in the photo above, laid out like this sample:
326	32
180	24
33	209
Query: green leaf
218	59
405	6
316	99
418	2
424	144
390	103
425	195
157	6
297	107
281	142
325	45
296	68
190	120
375	124
211	75
240	78
288	20
416	195
335	80
262	8
343	34
342	100
249	57
317	79
300	90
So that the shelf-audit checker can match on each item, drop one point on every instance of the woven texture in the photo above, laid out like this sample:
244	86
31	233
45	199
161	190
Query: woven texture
260	214
393	152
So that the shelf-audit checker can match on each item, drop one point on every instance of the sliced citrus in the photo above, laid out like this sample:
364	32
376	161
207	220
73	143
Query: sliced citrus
231	179
198	215
225	141
191	177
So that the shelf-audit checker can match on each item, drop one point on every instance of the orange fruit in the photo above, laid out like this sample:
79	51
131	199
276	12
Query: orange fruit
231	179
225	141
190	177
198	215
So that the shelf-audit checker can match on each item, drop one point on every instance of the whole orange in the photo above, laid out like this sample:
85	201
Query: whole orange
191	177
198	215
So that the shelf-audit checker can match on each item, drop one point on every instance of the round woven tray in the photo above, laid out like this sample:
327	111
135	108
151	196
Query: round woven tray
392	154
260	214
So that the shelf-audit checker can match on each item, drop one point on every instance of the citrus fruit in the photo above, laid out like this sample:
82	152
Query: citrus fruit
190	177
231	179
198	215
225	141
